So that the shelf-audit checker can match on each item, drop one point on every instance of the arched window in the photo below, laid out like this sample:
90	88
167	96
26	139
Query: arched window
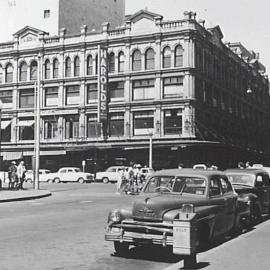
76	66
1	74
55	68
89	65
136	60
67	67
47	69
150	59
111	62
23	71
33	70
166	57
178	56
9	73
121	62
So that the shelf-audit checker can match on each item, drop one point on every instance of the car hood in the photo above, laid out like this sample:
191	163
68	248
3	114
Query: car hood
154	206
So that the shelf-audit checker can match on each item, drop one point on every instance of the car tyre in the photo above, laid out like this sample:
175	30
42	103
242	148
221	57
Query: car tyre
81	180
57	180
105	180
50	181
121	248
28	180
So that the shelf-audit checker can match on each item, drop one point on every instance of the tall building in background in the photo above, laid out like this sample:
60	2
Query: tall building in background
199	99
52	15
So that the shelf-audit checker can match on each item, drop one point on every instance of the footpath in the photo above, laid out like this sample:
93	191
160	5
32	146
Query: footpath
248	251
28	193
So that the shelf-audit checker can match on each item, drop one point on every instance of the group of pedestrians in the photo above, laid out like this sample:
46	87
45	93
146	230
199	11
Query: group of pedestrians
130	180
16	175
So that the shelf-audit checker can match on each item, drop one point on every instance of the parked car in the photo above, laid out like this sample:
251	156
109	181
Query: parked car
43	176
111	175
180	208
71	174
253	187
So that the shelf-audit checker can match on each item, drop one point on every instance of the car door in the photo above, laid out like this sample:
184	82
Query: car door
63	174
262	186
230	200
218	202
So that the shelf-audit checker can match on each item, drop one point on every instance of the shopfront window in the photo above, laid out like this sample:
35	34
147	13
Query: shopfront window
72	95
116	126
26	98
71	126
143	122
51	96
173	121
143	89
173	87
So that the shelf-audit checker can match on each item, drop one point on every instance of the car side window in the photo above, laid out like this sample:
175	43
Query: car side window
266	179
214	187
259	181
63	171
225	185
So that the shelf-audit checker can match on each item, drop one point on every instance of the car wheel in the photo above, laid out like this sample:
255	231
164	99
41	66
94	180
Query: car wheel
81	180
50	181
121	248
57	180
29	180
105	180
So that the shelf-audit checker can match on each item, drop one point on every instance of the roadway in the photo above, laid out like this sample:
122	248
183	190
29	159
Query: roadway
66	232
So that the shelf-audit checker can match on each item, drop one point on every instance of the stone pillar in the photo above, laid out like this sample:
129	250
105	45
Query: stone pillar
157	118
158	55
61	95
14	129
127	123
158	89
189	86
82	94
82	123
128	57
128	90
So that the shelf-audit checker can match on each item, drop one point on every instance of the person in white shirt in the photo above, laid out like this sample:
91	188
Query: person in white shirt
21	174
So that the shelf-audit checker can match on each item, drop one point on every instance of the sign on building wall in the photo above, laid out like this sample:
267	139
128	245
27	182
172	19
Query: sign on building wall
102	86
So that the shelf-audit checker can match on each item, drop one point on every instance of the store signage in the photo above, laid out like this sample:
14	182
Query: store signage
102	86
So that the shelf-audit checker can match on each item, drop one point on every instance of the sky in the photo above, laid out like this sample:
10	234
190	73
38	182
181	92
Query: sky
244	21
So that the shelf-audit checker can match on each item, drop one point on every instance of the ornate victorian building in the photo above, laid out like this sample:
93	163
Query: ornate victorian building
198	98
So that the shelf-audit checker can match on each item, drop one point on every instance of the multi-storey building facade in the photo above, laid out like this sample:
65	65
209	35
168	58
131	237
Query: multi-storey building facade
52	15
199	99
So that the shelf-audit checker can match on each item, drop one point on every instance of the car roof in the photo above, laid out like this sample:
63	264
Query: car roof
186	171
246	171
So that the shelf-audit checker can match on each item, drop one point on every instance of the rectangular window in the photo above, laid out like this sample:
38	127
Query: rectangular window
116	90
173	87
51	96
72	95
72	126
46	13
26	98
50	128
6	98
93	127
144	89
173	121
26	128
92	92
116	126
143	122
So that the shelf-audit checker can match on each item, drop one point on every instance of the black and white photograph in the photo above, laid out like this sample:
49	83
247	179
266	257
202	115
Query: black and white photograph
134	135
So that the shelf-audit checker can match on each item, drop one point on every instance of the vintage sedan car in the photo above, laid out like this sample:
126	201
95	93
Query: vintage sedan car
43	176
111	175
253	187
70	174
184	209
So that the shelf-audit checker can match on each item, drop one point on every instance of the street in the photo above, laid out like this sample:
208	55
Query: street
66	231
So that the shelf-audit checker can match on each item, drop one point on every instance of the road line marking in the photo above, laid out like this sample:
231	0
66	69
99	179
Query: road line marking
86	201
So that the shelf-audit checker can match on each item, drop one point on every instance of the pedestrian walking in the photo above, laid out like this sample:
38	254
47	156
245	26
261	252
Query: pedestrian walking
12	175
21	174
119	181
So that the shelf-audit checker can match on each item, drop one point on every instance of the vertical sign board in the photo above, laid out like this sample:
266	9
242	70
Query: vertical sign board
102	86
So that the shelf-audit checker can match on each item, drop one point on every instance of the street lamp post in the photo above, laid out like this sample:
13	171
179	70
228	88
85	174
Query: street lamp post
150	150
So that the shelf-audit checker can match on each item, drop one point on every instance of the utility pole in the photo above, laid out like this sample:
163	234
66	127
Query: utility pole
37	123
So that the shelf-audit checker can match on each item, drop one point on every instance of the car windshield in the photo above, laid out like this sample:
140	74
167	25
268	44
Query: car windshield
241	179
179	184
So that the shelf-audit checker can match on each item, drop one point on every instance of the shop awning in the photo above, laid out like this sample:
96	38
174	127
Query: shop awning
45	153
5	124
25	123
12	155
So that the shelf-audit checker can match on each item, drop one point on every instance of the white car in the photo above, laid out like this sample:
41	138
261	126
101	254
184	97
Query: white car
112	174
71	174
145	172
43	176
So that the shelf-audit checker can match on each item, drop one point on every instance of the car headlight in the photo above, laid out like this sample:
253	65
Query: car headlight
114	216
